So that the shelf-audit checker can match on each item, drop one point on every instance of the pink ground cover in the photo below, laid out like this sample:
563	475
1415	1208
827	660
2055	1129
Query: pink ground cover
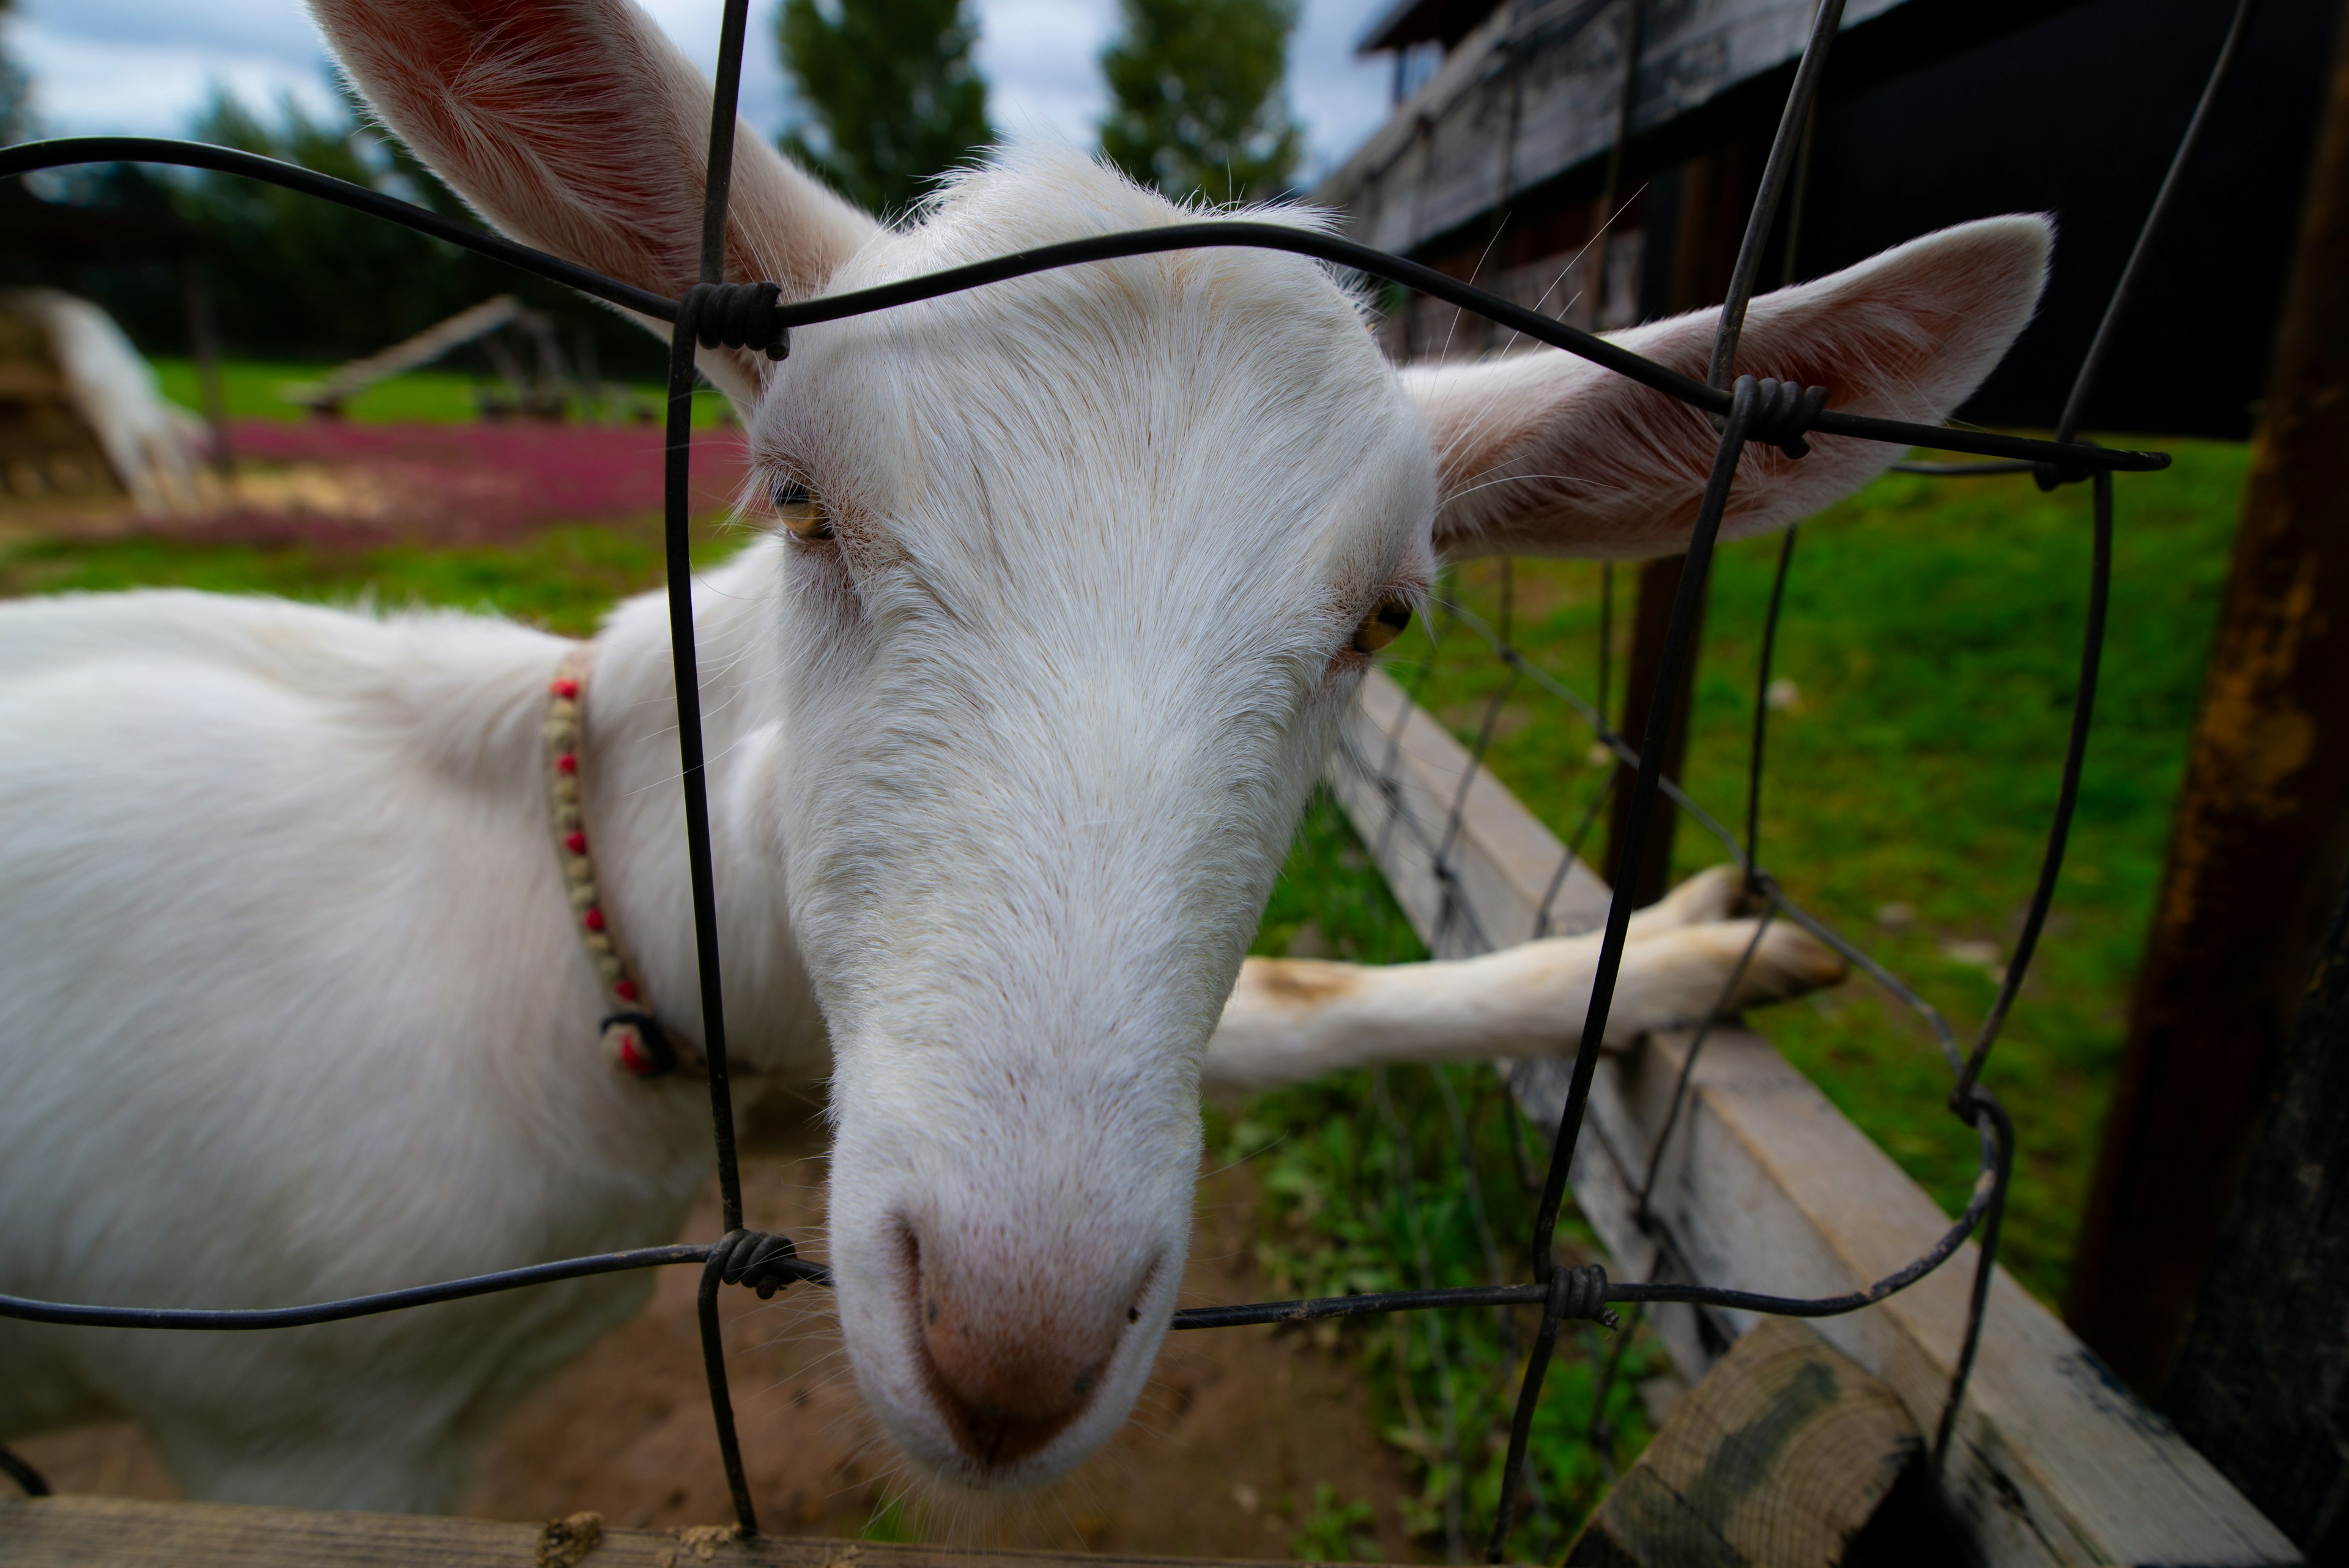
330	482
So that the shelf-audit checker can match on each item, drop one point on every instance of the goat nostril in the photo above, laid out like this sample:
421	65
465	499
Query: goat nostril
1133	1315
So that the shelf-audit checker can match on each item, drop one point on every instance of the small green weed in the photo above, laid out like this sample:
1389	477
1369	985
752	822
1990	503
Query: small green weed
1336	1531
892	1520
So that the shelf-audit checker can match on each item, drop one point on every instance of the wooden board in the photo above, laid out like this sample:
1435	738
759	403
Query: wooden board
1768	1187
1779	1459
115	1532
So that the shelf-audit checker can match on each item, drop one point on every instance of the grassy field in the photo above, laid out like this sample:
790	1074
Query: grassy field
1930	638
255	390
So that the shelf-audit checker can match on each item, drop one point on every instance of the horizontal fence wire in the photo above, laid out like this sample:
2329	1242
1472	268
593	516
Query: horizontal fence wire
1747	411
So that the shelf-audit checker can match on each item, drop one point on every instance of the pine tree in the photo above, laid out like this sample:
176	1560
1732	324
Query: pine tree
890	95
1195	98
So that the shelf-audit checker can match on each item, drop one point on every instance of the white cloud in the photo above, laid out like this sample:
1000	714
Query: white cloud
1041	59
1341	97
131	86
145	67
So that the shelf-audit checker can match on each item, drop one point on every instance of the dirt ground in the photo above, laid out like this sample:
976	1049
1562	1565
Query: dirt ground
1221	1458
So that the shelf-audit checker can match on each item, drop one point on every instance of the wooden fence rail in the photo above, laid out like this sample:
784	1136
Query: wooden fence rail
1767	1186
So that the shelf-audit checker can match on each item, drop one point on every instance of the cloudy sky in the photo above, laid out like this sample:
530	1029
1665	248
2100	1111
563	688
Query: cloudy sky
144	66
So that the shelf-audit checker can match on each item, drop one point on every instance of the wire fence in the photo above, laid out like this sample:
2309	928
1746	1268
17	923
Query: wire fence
1746	410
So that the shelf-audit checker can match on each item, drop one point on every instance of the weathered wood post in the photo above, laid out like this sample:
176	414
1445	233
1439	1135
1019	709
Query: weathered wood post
2261	1385
1707	218
2262	836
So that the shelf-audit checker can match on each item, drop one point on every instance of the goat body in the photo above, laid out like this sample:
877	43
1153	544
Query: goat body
1005	756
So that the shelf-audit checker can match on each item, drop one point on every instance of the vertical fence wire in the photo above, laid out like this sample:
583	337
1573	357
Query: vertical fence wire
717	179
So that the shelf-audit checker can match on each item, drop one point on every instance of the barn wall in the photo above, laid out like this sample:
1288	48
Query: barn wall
2077	116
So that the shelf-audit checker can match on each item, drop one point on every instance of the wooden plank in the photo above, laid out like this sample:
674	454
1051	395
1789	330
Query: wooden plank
2262	836
115	1532
1766	1186
1779	1459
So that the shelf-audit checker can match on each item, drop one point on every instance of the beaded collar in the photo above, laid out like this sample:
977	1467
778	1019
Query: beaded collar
634	1039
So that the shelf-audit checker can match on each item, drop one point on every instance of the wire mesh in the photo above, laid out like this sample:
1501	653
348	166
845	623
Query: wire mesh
1745	409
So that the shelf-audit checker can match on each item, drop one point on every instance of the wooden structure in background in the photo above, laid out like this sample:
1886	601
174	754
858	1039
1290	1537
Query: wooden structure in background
2262	837
46	446
53	233
1767	1186
1779	1459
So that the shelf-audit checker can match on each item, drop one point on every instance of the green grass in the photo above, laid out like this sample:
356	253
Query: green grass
1932	629
253	389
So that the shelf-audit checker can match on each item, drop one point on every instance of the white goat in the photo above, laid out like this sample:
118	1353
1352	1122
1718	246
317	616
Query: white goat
1011	730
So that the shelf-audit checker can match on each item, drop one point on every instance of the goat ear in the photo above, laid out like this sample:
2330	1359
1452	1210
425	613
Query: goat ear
1546	455
577	127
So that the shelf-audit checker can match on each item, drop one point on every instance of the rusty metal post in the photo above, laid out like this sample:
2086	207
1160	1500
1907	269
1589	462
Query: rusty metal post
2262	837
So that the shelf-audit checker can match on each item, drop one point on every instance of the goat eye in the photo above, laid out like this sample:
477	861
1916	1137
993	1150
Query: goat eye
800	511
1382	625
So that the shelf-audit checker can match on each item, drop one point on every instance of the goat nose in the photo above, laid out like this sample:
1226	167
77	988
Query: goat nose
1011	1376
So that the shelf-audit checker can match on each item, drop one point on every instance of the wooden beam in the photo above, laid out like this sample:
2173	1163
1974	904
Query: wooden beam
115	1532
1657	584
1533	92
1768	1187
1779	1459
2263	1383
2262	836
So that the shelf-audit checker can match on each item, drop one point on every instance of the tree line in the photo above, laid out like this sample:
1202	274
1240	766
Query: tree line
887	96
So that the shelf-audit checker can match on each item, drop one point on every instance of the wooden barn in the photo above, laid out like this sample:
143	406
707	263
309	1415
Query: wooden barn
1502	160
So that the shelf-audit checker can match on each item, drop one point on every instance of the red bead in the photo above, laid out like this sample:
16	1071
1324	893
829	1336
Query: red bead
566	689
632	1056
575	842
625	990
593	920
568	762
